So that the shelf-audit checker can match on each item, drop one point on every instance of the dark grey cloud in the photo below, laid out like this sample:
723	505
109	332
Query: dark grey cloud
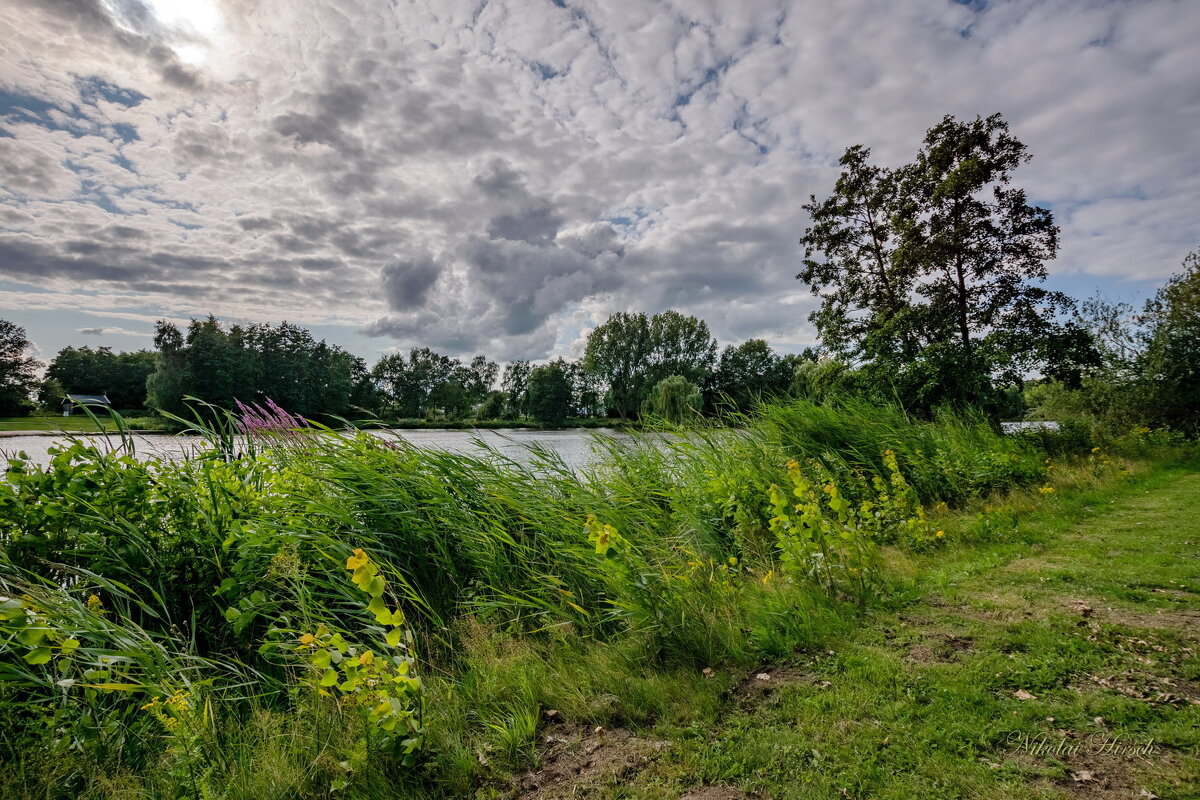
406	283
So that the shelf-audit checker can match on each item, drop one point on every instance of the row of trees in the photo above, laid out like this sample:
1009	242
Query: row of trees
281	362
633	364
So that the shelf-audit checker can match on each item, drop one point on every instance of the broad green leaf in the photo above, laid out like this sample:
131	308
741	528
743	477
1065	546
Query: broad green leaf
383	614
38	655
31	636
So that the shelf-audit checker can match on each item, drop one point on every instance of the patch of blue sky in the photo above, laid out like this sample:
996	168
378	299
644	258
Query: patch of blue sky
92	192
95	88
544	71
628	219
18	107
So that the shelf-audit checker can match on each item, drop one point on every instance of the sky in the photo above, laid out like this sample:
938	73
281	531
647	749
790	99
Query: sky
500	176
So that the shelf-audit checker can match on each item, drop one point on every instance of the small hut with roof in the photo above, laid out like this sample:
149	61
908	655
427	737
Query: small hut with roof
74	401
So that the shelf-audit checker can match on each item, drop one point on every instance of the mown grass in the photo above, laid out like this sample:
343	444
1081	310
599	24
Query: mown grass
1089	606
80	423
602	594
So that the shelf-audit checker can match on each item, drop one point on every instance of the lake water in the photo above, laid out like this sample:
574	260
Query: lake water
574	446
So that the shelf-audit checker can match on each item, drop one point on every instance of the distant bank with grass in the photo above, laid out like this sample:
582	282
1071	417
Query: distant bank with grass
78	423
288	615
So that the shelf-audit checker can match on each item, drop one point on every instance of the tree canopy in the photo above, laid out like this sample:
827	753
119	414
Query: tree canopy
280	362
18	370
120	376
632	352
930	271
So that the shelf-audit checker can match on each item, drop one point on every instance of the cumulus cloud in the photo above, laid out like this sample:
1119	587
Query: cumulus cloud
501	176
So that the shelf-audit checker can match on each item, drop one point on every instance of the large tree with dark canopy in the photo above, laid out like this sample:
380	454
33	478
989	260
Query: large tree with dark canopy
630	353
18	370
930	271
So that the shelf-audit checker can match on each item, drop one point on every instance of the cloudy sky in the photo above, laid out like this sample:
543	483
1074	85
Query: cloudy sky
499	176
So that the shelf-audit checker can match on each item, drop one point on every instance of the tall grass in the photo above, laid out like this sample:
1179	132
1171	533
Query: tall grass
524	583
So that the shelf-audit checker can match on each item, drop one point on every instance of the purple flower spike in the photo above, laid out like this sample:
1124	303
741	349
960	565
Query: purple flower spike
270	420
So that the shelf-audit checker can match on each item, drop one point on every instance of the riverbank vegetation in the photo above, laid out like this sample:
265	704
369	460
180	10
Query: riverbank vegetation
320	616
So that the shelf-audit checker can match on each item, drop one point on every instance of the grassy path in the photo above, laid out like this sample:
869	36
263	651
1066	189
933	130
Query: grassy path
1063	663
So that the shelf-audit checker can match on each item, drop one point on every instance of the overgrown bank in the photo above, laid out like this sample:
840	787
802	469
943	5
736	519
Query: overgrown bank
362	617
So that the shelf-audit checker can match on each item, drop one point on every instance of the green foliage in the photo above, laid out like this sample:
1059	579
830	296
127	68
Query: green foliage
251	364
750	372
632	352
549	394
426	383
928	272
313	578
120	376
674	399
18	371
1147	375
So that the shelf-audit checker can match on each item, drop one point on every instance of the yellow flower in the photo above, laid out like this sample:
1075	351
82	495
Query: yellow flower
94	605
1095	449
940	534
1046	490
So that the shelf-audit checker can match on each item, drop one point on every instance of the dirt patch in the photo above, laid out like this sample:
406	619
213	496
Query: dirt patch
1182	619
1097	775
940	647
577	761
763	685
716	793
1103	777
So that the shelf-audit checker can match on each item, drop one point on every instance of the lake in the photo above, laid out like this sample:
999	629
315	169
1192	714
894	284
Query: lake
574	445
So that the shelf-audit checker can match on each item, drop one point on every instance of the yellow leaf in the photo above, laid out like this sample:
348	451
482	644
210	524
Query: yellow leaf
358	559
393	637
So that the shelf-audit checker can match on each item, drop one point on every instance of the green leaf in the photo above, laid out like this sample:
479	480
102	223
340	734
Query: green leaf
321	659
329	678
232	614
10	609
69	645
375	587
38	655
393	637
32	636
383	614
